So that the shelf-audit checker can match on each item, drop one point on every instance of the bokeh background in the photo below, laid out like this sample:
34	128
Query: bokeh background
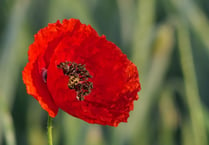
168	40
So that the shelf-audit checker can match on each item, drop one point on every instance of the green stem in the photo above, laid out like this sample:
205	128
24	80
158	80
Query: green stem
49	127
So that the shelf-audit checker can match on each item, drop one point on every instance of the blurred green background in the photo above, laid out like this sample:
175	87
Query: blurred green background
168	40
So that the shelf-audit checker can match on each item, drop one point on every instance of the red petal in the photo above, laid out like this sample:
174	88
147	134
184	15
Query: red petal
38	89
39	56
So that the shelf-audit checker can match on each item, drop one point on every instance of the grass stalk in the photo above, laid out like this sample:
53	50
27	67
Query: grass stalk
191	86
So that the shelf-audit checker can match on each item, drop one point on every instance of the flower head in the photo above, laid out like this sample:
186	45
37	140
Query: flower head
74	69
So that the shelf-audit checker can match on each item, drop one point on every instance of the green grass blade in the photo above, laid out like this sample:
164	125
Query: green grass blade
191	86
196	18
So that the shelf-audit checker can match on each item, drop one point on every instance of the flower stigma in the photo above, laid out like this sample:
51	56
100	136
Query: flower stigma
78	78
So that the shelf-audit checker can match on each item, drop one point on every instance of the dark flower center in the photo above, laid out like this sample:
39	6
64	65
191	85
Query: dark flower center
78	78
44	74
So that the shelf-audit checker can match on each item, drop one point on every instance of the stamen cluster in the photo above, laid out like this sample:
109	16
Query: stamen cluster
78	78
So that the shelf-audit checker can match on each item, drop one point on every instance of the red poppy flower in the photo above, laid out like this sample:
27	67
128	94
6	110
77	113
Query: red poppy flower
72	68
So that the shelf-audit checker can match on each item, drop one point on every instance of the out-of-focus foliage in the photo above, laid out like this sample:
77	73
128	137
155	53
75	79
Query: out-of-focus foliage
168	40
